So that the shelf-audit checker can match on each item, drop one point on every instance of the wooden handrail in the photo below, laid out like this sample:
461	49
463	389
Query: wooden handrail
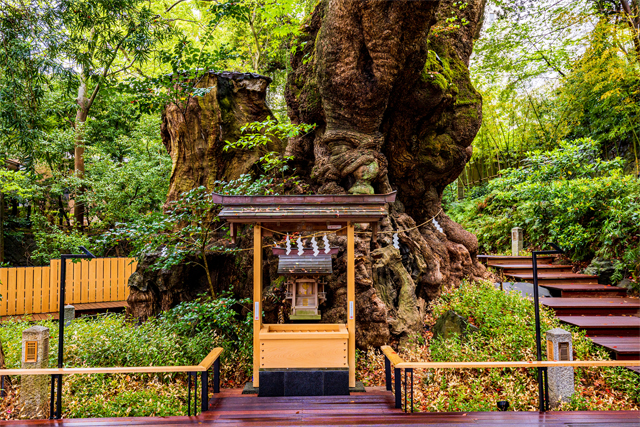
399	363
393	357
210	358
204	366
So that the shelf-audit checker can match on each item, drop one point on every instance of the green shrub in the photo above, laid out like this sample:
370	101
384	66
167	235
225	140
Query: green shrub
568	196
181	336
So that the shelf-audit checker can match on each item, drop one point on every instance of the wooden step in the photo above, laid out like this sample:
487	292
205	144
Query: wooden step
505	259
557	278
622	326
586	291
625	348
528	269
593	306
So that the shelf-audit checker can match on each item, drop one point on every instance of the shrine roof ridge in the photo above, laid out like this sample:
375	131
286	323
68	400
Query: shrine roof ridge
310	199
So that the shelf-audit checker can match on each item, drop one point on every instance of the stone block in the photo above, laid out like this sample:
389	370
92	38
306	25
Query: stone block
451	323
561	379
34	389
304	383
336	383
271	383
69	314
517	241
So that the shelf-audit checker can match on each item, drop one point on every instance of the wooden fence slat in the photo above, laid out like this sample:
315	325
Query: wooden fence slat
100	280
122	277
46	289
4	290
113	281
91	280
132	267
84	282
75	281
108	286
12	293
54	285
115	276
28	290
20	296
36	306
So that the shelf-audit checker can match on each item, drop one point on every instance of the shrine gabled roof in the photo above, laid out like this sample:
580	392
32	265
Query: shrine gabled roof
294	264
317	207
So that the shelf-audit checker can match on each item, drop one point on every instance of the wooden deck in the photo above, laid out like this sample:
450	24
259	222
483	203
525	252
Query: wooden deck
375	407
81	310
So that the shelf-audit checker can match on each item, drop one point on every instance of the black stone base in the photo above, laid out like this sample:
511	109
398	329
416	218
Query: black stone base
304	383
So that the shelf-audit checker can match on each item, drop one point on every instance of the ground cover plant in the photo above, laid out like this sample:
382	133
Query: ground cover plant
506	332
181	336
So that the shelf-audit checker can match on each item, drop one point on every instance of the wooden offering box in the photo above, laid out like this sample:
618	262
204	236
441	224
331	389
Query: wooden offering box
304	346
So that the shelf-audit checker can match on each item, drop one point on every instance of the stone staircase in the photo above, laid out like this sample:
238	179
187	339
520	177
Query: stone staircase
610	318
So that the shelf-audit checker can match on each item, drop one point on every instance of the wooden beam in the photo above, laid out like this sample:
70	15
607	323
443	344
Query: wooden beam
398	362
518	364
351	303
202	367
257	300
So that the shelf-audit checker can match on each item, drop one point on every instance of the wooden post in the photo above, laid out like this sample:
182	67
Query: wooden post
257	301
351	303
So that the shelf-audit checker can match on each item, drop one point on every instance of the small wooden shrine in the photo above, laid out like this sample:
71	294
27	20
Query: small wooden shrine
305	270
310	358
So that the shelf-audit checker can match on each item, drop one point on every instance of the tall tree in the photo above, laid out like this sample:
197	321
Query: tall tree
106	38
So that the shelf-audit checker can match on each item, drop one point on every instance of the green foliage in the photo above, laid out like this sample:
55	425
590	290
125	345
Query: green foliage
52	240
185	234
170	340
259	136
15	183
568	195
506	323
126	178
552	71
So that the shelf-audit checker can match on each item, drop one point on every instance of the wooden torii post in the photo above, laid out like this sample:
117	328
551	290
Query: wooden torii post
312	345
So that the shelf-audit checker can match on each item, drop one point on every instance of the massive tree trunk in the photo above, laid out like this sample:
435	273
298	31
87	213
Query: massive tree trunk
387	84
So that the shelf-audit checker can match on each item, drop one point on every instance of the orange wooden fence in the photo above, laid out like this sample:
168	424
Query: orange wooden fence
33	290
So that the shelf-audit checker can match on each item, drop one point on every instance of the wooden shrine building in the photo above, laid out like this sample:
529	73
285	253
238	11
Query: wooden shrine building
313	355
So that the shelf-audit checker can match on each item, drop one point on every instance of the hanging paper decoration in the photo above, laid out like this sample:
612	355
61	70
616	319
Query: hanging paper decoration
325	239
437	226
275	244
300	248
396	242
314	245
288	245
